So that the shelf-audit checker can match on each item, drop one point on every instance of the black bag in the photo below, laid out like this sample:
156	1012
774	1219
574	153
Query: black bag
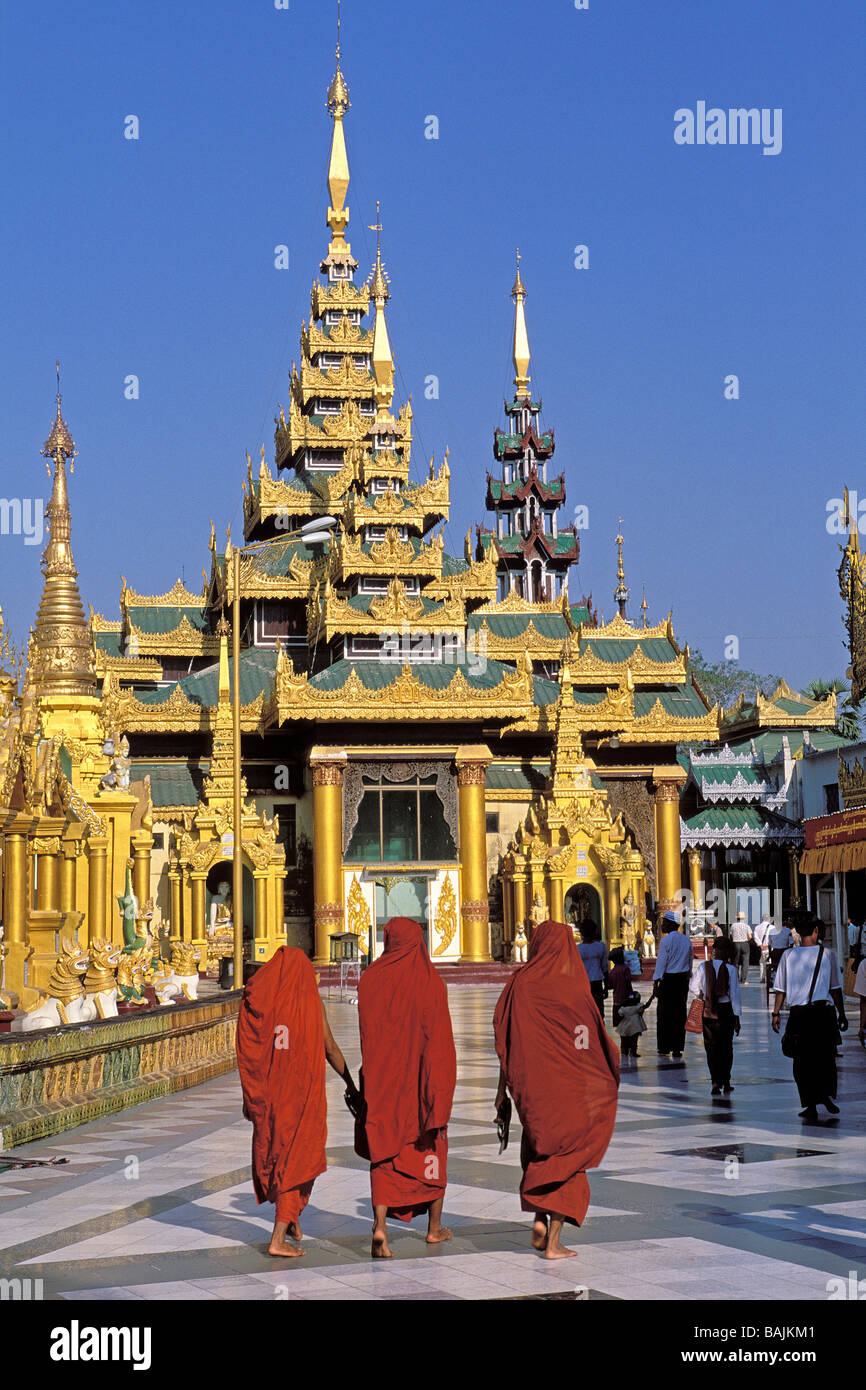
793	1035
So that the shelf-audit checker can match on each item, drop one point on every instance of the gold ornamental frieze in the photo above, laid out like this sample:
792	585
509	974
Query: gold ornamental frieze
340	295
852	783
183	640
342	335
345	381
179	596
445	920
407	697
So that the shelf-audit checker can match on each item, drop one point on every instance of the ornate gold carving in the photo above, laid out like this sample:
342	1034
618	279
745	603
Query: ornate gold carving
478	911
852	783
445	924
358	915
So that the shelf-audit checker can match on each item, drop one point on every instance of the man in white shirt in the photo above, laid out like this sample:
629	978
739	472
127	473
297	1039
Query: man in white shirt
856	943
761	938
671	986
741	935
715	981
808	977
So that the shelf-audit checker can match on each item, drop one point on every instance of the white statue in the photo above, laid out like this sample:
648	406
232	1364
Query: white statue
63	1002
100	985
221	910
520	944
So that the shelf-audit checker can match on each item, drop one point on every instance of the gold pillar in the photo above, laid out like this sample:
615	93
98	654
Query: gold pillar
97	853
612	910
142	844
328	916
519	917
471	763
668	855
695	881
48	876
18	951
199	911
557	898
174	902
260	931
68	870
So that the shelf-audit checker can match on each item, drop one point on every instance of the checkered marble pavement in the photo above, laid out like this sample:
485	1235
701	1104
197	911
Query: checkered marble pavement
697	1199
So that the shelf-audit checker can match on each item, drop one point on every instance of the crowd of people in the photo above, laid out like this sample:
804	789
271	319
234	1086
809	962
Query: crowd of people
558	1064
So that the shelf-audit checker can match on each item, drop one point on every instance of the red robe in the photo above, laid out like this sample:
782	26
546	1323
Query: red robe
409	1074
562	1070
281	1060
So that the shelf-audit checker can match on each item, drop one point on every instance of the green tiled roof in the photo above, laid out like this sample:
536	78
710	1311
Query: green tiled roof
108	642
720	775
617	649
516	624
378	675
500	489
172	784
257	674
274	559
684	703
158	621
451	565
769	743
749	819
517	776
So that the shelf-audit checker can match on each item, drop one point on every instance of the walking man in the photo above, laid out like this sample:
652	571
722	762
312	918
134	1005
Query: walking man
808	978
671	986
741	935
715	981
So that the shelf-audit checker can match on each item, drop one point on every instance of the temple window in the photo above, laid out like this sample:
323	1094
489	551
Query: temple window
288	834
326	407
400	822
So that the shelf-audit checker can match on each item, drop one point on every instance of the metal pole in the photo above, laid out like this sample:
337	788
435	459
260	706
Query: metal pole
237	813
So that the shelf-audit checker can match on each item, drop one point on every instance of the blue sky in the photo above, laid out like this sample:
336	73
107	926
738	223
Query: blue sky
155	257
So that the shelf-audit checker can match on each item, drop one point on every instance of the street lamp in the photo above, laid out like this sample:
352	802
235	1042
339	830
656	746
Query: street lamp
319	529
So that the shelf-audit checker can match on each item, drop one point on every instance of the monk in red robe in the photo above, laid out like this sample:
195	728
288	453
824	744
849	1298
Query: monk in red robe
563	1071
283	1040
409	1071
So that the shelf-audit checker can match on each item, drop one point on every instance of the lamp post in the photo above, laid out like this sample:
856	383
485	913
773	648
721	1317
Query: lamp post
319	529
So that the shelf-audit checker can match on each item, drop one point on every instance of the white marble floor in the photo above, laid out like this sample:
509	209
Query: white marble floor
696	1199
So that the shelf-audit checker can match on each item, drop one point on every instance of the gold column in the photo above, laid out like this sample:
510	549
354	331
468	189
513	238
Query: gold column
612	909
97	854
18	951
668	854
557	898
67	878
471	763
174	900
142	844
327	767
47	876
519	918
199	911
261	929
695	882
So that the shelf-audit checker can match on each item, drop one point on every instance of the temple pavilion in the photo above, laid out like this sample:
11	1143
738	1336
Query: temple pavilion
458	739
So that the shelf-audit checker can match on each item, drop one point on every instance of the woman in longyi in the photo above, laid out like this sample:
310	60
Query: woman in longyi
283	1041
409	1071
562	1069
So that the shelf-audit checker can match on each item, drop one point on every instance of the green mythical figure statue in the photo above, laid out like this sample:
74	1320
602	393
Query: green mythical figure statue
128	906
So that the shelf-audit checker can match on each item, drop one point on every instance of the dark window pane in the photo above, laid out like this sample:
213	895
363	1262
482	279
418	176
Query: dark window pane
364	845
436	841
399	826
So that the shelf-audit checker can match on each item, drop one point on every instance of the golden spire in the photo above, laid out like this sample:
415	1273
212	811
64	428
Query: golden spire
644	606
621	592
61	657
521	337
382	358
338	169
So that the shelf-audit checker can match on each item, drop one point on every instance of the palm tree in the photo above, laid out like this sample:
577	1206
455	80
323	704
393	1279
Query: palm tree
847	715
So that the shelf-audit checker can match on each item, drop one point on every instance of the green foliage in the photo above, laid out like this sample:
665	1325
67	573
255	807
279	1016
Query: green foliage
723	681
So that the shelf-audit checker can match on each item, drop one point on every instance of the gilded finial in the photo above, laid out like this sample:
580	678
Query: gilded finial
621	592
338	92
59	438
644	606
521	337
379	283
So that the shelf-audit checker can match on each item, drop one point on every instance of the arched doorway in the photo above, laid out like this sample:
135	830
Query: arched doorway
583	904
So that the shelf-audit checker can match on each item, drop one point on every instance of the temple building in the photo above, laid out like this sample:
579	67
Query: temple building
742	810
451	738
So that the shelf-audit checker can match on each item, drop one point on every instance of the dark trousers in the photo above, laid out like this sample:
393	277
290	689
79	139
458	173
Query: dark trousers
815	1062
628	1046
597	988
742	957
719	1044
672	1009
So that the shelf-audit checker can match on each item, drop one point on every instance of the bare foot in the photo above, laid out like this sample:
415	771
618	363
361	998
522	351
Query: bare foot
555	1251
539	1235
280	1247
436	1237
295	1231
381	1249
